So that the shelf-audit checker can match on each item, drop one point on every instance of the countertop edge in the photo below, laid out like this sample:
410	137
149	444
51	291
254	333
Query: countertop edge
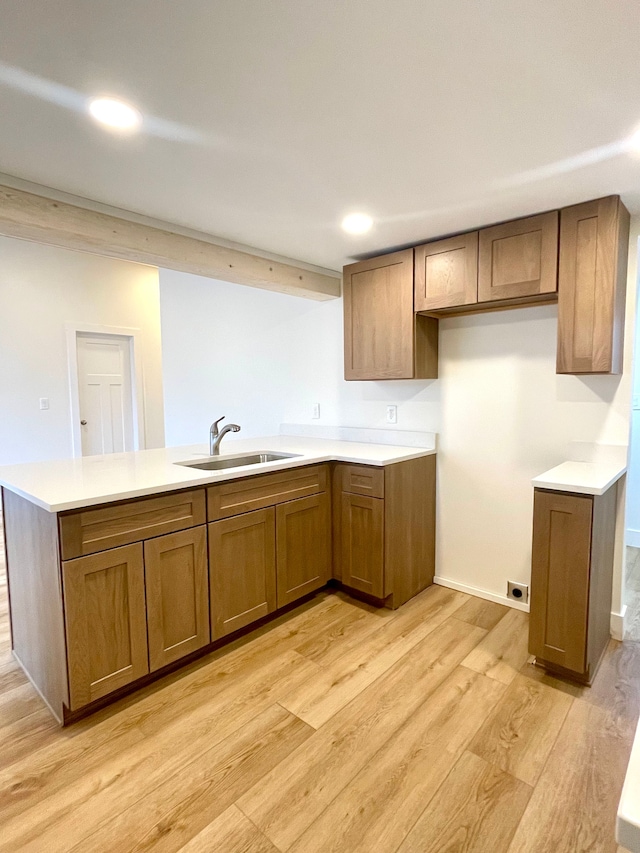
541	482
211	478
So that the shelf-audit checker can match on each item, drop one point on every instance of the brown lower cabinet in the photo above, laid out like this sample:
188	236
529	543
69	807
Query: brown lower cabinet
89	623
176	584
242	576
106	622
384	528
362	546
571	578
133	610
266	559
303	546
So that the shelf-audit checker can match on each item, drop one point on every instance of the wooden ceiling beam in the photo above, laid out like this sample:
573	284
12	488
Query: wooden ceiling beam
28	216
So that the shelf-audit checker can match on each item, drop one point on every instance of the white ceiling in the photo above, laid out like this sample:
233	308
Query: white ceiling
274	118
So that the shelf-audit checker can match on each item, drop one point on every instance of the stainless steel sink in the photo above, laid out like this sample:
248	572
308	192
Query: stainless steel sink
218	463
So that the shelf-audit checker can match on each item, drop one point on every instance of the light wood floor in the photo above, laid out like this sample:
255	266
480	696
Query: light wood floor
343	729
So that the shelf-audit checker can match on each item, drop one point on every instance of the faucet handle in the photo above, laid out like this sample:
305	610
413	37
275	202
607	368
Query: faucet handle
214	425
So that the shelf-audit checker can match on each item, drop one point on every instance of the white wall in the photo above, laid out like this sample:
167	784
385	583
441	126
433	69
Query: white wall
502	413
264	358
41	289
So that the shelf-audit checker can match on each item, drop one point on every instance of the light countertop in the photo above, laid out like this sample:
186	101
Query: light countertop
89	480
586	478
628	822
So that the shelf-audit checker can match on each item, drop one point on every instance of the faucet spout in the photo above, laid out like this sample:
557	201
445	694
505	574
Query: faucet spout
216	436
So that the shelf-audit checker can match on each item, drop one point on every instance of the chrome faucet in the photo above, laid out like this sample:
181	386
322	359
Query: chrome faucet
216	436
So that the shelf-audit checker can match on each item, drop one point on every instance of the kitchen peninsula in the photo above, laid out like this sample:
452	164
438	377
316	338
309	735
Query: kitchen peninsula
123	566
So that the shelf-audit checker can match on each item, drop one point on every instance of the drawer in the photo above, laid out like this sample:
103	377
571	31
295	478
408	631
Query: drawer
262	490
361	480
91	530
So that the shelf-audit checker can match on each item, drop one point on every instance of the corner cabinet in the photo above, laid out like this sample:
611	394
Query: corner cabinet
383	337
594	240
571	580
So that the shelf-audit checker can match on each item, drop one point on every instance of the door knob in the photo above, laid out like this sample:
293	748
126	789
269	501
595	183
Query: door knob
83	423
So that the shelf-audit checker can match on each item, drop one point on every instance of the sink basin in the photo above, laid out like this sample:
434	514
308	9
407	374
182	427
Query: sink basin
218	463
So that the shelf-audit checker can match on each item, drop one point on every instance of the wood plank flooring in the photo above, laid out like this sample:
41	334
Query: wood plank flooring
340	728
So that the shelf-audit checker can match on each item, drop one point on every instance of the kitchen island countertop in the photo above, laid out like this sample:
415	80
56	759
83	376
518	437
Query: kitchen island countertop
66	484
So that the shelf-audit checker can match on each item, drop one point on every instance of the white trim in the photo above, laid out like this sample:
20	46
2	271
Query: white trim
617	626
136	337
633	538
481	593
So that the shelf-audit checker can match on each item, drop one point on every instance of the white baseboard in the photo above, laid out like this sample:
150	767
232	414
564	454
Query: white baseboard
617	627
633	538
617	623
481	593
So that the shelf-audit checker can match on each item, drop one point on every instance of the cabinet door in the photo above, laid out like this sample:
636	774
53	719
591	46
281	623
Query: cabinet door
242	570
519	258
362	533
303	529
177	587
560	569
594	239
106	623
383	338
446	273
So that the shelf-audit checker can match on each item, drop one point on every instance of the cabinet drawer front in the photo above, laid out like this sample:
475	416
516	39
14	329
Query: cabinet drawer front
560	577
519	258
361	480
263	490
92	530
177	589
105	621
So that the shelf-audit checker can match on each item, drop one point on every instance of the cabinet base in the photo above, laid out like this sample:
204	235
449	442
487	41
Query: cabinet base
584	678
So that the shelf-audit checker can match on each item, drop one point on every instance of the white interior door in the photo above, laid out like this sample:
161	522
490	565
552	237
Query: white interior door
105	393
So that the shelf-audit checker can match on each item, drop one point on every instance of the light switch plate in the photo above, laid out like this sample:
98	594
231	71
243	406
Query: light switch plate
44	403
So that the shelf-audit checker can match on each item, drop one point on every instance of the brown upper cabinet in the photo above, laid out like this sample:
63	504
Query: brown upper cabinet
518	259
594	239
446	273
383	337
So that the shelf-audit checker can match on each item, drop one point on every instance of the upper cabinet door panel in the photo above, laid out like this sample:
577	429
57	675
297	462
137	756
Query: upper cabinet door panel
446	273
594	239
379	318
519	258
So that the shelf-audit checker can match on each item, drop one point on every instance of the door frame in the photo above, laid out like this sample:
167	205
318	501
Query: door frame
135	338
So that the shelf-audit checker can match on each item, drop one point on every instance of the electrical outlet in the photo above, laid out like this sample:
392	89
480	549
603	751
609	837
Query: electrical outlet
316	410
392	414
636	401
518	591
44	403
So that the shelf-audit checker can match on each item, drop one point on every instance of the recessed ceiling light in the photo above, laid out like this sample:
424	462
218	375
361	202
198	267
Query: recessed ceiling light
357	223
115	114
